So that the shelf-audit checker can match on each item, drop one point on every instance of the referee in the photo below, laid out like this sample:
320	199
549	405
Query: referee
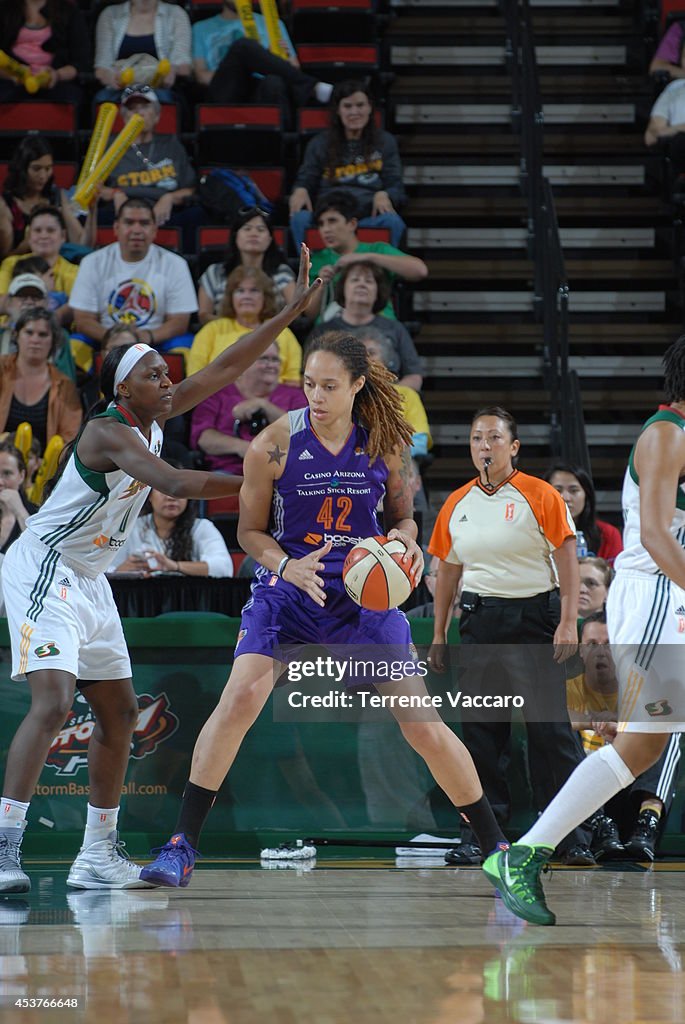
497	535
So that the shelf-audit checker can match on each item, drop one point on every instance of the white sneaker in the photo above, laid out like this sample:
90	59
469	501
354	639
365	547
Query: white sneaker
105	865
12	877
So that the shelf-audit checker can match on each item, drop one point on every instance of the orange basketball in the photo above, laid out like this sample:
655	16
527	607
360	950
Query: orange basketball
374	575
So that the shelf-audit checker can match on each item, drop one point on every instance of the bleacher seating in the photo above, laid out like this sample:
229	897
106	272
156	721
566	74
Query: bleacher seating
57	121
333	21
334	63
253	130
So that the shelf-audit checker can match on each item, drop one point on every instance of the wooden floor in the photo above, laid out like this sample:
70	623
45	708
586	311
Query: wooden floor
347	942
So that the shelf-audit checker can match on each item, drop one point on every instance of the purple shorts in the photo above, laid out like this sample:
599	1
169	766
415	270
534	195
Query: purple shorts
280	614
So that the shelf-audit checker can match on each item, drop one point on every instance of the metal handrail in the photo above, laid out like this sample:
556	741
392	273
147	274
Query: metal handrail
551	288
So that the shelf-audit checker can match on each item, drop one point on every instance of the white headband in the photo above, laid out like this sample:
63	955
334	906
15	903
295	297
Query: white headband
130	358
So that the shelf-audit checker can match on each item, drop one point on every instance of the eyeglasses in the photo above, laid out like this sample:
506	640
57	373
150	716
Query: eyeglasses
244	210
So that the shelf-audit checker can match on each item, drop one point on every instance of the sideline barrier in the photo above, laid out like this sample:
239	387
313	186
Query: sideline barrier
290	779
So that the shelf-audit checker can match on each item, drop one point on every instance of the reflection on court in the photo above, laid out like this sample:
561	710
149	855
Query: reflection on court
328	945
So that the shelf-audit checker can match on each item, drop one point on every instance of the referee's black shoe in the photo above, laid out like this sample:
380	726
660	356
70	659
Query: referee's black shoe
606	843
465	853
579	856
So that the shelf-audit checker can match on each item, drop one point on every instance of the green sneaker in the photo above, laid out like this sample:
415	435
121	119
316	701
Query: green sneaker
516	873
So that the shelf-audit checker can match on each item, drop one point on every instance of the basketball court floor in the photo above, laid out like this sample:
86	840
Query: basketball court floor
345	940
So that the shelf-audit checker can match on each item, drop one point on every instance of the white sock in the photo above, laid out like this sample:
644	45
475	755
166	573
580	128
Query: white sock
323	91
99	823
12	813
596	779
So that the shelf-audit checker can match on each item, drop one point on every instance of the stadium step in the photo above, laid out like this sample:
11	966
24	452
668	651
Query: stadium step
450	108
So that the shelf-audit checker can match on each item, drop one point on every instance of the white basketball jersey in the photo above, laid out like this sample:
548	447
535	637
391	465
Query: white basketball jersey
89	515
634	557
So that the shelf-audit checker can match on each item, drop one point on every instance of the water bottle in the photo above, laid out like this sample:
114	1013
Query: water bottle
581	545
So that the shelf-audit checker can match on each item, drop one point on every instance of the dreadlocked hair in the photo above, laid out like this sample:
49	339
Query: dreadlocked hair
674	371
378	405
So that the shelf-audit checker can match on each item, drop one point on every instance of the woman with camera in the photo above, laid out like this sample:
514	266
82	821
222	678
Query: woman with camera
224	425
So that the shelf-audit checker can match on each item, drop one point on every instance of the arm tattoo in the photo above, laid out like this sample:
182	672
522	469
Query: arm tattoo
399	498
275	455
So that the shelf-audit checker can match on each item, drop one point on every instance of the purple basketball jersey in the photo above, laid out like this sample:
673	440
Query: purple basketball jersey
322	496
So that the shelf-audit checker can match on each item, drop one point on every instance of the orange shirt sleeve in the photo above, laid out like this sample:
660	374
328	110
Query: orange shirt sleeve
440	543
549	508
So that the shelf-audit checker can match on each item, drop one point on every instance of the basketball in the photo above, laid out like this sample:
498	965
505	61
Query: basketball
374	575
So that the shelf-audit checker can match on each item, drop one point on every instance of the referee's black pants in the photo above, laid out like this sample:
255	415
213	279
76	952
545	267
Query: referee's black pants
507	647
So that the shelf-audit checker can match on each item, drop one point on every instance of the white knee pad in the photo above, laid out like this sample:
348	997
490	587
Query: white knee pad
615	762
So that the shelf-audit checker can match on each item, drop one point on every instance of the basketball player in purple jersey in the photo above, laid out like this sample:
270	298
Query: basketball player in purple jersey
312	483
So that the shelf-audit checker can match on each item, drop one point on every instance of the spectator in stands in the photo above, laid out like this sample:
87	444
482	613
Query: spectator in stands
32	390
380	347
29	185
126	31
25	292
116	336
240	70
36	266
361	291
171	538
640	810
251	244
224	425
136	282
668	57
336	219
45	235
15	507
249	300
34	459
356	155
666	125
595	579
155	167
49	36
576	488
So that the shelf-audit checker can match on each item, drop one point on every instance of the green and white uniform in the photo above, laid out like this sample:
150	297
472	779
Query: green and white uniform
646	617
60	609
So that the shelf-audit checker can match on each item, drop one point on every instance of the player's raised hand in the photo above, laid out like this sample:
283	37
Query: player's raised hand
303	289
303	573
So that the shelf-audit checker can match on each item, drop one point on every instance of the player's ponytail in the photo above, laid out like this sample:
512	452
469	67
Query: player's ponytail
107	374
378	405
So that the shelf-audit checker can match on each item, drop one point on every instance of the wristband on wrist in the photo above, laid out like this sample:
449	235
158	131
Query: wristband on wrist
281	565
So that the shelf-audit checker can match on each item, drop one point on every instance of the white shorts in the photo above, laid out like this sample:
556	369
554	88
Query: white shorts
646	622
59	618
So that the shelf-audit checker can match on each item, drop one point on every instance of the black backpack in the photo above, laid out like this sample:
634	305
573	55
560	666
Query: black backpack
224	193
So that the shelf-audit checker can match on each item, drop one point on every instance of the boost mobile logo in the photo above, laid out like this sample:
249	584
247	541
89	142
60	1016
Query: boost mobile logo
336	539
69	750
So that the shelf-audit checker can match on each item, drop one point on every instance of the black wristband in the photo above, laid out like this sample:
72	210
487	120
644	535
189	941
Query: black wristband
281	568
